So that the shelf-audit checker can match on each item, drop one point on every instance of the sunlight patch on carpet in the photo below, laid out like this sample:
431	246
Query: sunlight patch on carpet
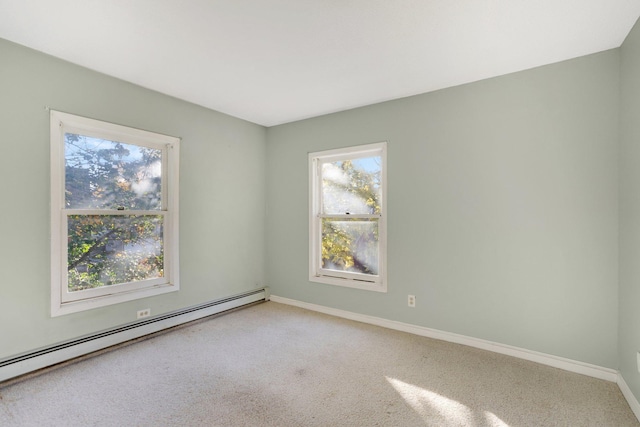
440	410
430	405
493	420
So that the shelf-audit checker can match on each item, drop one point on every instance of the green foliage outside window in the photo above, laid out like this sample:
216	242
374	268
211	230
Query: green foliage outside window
104	250
351	187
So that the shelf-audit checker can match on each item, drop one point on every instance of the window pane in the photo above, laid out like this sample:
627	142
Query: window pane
102	174
105	250
350	245
352	186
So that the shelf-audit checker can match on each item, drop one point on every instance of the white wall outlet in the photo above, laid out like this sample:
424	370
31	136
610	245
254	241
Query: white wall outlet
638	360
411	301
144	313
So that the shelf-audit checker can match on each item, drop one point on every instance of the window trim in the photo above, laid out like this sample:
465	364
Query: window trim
61	123
331	277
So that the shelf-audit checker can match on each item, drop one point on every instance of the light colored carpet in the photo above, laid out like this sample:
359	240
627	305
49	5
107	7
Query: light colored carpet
275	365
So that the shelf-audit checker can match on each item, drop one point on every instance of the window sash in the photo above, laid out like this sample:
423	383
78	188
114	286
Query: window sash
70	296
319	164
363	277
138	138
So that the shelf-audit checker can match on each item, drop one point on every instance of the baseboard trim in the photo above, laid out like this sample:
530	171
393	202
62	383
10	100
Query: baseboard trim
533	356
628	394
61	352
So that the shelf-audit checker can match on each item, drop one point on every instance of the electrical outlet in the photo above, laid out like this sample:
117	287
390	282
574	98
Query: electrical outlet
638	359
144	313
411	301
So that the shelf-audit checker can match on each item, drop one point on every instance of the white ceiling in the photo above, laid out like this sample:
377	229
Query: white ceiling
277	61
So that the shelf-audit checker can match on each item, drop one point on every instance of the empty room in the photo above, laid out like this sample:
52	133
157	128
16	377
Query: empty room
320	213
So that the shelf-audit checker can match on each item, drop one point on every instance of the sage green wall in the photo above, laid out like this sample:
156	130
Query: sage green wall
503	204
629	324
502	208
221	194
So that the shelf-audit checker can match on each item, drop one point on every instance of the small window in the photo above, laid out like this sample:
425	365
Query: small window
348	217
114	213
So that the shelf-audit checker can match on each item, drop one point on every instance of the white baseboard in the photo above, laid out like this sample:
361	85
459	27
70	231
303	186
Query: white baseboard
521	353
631	399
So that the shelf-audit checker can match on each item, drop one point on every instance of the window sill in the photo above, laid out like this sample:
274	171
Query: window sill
350	283
60	309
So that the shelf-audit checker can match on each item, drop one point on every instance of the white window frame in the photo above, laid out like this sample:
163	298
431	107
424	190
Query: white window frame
316	272
65	302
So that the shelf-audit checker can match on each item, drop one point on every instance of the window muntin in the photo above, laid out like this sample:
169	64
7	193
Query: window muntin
114	213
347	222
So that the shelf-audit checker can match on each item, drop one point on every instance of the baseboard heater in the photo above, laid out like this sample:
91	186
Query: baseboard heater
31	361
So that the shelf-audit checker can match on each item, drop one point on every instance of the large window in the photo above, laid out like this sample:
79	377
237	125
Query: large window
114	213
348	217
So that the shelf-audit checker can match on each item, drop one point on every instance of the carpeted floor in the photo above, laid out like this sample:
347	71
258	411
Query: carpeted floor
275	365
